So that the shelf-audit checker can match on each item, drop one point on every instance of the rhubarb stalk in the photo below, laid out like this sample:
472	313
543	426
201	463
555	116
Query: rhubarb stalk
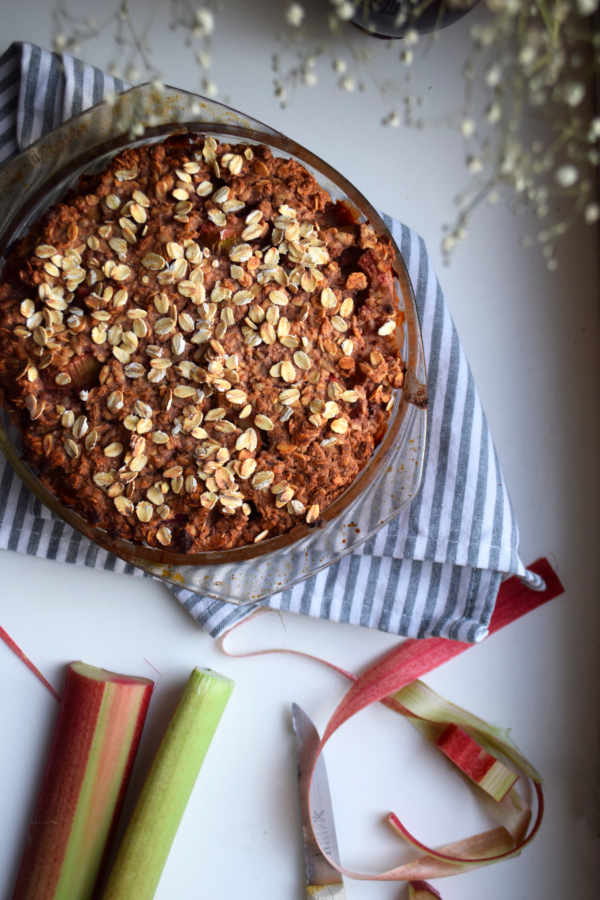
93	748
160	807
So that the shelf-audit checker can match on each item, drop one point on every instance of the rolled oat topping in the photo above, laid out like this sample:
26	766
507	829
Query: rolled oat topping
198	346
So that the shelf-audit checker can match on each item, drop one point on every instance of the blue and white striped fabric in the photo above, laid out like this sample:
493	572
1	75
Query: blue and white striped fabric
436	569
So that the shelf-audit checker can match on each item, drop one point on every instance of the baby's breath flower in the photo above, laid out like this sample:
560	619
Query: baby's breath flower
344	10
411	37
467	128
347	83
339	66
294	15
574	93
488	35
205	22
392	120
448	244
494	75
133	73
594	132
209	87
407	57
204	59
566	176
493	112
527	55
474	164
592	213
587	7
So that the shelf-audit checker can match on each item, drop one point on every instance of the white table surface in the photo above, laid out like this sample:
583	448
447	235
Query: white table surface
532	340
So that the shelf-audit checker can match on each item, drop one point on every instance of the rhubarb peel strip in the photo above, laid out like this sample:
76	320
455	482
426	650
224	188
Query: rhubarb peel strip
394	681
17	650
390	676
467	860
514	601
421	701
512	811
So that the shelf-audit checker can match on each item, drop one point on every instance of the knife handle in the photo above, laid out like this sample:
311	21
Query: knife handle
326	891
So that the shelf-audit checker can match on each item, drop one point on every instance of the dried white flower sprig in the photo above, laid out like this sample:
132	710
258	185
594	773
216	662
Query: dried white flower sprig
129	33
529	59
532	62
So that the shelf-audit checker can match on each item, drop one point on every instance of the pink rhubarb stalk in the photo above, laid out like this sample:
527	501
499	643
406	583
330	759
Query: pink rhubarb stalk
93	748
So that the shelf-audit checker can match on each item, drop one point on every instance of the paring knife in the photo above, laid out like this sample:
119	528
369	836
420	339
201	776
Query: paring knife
323	880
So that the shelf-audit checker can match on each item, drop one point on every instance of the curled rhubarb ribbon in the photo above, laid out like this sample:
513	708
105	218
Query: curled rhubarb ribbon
395	682
395	677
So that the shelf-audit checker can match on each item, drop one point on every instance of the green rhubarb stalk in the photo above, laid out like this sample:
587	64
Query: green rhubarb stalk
160	807
93	748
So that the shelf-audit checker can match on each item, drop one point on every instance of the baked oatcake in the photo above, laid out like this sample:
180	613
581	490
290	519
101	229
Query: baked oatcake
198	346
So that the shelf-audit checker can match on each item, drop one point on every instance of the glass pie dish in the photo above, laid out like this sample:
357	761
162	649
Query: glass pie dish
41	175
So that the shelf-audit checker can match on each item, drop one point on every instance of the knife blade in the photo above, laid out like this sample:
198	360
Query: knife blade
323	880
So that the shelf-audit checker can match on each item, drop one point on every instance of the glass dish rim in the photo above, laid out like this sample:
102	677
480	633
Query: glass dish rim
138	554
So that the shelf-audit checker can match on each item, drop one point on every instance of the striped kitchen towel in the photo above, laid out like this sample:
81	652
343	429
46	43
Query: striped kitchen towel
436	569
